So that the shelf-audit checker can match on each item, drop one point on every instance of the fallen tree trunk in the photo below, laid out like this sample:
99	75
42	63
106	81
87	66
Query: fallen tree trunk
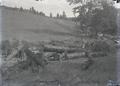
59	49
75	55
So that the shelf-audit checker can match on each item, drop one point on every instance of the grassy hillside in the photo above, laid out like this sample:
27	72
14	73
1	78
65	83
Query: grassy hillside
28	26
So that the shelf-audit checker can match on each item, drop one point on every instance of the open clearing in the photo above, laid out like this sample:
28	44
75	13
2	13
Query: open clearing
27	26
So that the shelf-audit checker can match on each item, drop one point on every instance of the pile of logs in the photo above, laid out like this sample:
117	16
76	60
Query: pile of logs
40	55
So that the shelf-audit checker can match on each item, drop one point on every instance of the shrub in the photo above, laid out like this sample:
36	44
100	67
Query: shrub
6	47
100	46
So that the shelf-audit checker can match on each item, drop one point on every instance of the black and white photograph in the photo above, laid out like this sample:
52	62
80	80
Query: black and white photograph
59	42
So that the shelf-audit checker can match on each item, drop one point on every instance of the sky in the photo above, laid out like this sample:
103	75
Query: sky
117	5
47	6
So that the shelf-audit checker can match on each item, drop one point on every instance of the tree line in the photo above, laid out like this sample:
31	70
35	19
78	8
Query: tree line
59	16
33	10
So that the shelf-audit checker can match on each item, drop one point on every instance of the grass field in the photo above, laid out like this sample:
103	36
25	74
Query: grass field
28	26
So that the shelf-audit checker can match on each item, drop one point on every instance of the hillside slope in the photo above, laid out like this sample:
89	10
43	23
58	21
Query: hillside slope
28	26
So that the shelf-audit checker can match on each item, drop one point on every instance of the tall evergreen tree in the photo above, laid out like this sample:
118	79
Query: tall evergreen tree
64	15
51	15
58	16
21	9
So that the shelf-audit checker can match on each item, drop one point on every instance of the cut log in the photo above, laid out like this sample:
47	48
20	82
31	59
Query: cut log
59	49
75	55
